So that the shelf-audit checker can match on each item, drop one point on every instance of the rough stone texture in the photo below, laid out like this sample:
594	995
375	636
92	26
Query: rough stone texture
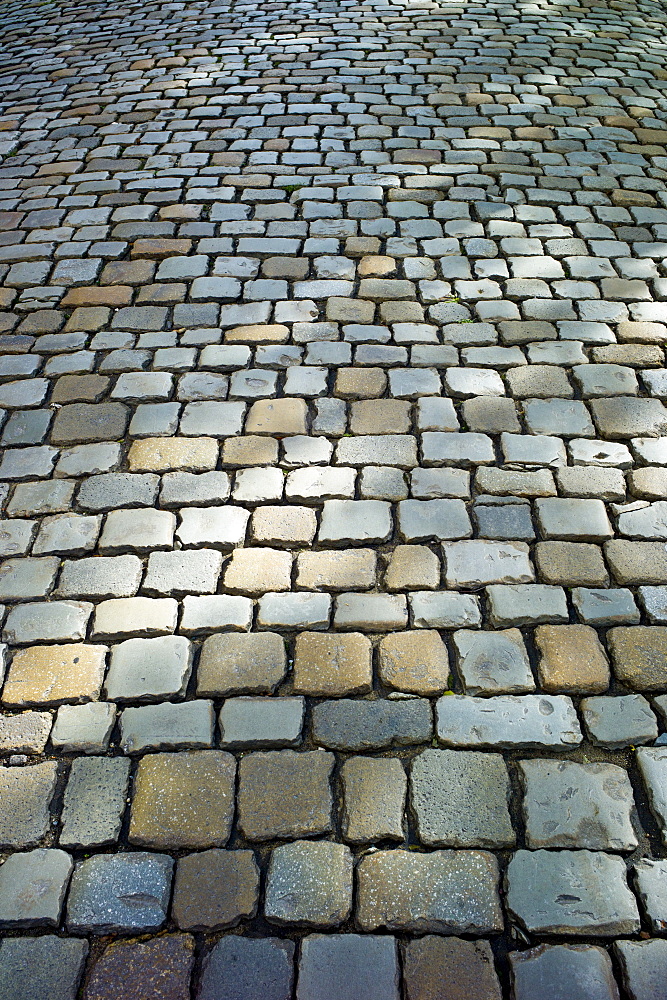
576	893
370	962
374	792
41	968
652	763
563	972
187	724
415	662
32	888
149	669
256	722
363	725
25	800
215	889
248	969
450	892
94	801
460	799
119	892
493	662
309	882
241	664
152	970
650	883
330	665
183	800
639	656
620	722
569	805
284	794
436	967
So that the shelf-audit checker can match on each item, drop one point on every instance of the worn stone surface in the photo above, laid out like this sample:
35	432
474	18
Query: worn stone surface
374	793
652	763
572	660
493	662
643	967
571	892
249	968
370	962
563	971
284	794
32	888
42	675
436	967
25	800
364	724
41	968
639	656
121	892
508	721
650	883
309	882
571	805
159	969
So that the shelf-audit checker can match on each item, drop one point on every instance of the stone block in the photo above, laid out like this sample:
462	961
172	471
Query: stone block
215	889
119	893
284	794
309	882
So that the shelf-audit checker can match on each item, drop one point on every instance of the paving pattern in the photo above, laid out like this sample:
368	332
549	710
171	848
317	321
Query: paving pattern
334	500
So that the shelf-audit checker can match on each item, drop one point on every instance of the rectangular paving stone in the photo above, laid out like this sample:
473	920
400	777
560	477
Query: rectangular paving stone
252	663
137	616
562	969
507	721
572	660
650	881
25	801
370	961
639	656
374	791
476	563
444	609
183	800
260	722
494	662
526	604
24	579
259	967
351	724
620	722
133	967
450	892
56	621
652	763
83	728
42	968
451	967
373	612
101	577
27	732
187	724
32	888
52	675
185	571
94	801
574	893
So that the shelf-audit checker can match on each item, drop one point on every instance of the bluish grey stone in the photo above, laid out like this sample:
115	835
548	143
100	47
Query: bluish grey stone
170	724
94	801
563	972
119	893
309	882
149	669
243	968
370	962
32	888
650	878
41	968
507	721
493	662
259	722
615	606
576	893
617	723
643	968
360	724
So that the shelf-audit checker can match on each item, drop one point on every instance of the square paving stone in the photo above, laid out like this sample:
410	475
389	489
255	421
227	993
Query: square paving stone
183	800
119	893
574	893
25	802
41	968
244	968
493	662
374	793
76	422
570	805
650	878
215	889
254	663
416	662
149	669
151	970
439	968
446	892
572	660
639	656
643	967
51	675
32	888
370	962
461	799
83	728
283	794
652	763
563	972
619	722
507	721
309	882
421	520
328	665
255	722
351	724
25	733
94	801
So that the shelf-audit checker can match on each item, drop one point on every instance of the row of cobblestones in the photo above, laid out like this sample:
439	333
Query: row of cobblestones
333	502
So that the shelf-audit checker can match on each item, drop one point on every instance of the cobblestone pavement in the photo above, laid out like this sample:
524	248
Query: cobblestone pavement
334	500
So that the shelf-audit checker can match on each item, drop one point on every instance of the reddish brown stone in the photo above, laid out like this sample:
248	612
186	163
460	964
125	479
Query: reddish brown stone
215	888
152	970
109	295
157	248
439	968
79	389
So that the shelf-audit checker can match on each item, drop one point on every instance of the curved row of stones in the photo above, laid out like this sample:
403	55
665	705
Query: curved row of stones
334	501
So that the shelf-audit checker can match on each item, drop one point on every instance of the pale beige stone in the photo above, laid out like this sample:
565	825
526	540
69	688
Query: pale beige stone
249	450
52	675
329	665
416	662
380	416
163	454
360	383
412	567
334	570
284	525
277	416
258	571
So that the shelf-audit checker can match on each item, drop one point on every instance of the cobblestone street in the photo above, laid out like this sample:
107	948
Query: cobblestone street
333	531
